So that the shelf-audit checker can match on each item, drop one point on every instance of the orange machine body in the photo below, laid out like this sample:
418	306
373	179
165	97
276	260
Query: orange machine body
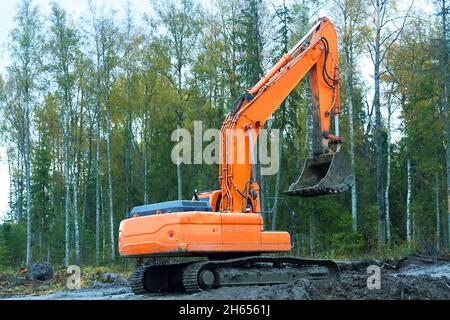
235	224
198	233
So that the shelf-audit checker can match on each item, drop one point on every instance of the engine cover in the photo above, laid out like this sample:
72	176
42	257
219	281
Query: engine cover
170	206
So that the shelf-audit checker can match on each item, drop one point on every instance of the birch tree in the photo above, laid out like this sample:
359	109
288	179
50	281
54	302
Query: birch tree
152	61
408	201
183	28
109	60
97	184
63	48
352	35
385	30
94	34
388	165
77	137
442	7
438	215
283	15
25	50
13	121
106	36
131	46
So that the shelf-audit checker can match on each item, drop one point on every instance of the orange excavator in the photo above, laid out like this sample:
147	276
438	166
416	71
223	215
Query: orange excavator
218	238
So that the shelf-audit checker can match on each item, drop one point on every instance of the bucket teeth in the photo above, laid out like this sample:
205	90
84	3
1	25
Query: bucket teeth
322	175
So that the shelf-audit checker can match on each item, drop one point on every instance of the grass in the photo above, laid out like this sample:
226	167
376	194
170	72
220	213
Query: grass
387	253
13	281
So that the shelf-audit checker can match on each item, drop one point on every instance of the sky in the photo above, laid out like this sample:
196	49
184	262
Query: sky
78	8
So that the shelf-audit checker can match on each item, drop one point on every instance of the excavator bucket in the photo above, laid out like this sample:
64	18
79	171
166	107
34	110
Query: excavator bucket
323	174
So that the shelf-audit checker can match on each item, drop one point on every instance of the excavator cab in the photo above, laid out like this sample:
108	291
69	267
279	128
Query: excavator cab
323	174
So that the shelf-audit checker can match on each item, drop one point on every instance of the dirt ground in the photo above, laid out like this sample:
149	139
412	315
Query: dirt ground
412	278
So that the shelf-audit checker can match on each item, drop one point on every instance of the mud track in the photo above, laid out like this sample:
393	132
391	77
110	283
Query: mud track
413	279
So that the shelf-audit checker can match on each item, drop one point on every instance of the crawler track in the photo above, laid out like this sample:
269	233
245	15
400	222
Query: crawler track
193	277
136	281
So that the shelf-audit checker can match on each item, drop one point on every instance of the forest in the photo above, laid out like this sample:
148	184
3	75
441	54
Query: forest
88	106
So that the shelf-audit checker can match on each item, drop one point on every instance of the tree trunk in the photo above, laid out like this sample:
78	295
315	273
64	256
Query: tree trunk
147	140
349	75
41	240
97	192
312	247
11	182
103	224
408	202
336	125
67	120
444	102
76	171
277	181
87	178
110	189
19	181
179	177
129	71
379	151
309	120
53	204
145	166
438	217
127	157
145	173
28	180
376	46
262	196
284	16
388	174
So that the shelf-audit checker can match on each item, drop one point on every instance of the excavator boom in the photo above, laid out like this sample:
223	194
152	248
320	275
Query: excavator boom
328	170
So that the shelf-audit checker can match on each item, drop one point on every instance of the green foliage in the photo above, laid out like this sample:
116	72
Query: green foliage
347	243
12	246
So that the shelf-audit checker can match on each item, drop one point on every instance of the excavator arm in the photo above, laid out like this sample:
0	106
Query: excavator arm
319	58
